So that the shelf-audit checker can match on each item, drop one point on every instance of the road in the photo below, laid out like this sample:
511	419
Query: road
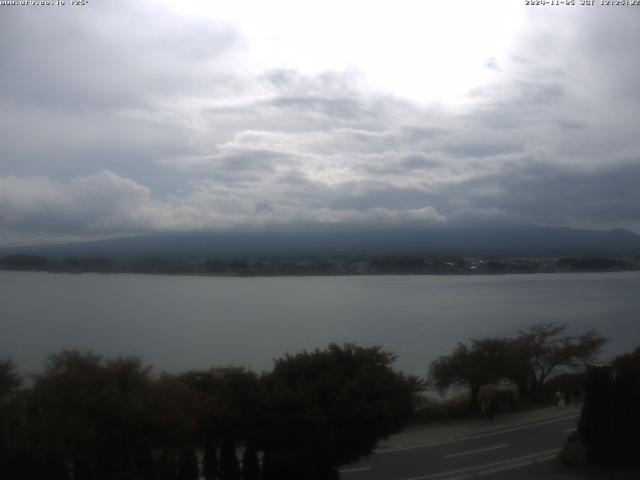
523	451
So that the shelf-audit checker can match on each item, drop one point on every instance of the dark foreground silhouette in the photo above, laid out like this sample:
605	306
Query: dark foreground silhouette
99	419
607	435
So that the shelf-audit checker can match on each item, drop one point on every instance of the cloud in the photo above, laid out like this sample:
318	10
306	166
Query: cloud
102	201
546	193
148	118
73	77
106	204
110	57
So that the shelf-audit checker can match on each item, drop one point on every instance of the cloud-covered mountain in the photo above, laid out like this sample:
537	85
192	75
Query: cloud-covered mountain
466	241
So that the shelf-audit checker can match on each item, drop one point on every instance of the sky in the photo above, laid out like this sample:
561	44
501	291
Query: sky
132	117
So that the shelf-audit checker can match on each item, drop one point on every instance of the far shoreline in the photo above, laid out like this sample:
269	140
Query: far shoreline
323	275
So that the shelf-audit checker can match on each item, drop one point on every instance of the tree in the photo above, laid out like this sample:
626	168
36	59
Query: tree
626	415
10	381
187	464
229	466
610	419
231	404
250	463
175	410
544	349
483	363
329	407
24	262
595	426
94	413
210	458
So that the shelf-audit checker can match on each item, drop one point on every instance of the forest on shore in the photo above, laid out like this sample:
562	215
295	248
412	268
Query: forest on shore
320	265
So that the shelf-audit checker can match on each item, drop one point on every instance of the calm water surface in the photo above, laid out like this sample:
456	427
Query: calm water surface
179	322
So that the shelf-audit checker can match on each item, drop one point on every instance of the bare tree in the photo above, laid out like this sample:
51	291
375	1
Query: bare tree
544	349
483	363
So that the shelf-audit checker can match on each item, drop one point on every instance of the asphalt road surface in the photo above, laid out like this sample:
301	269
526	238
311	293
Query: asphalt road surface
524	451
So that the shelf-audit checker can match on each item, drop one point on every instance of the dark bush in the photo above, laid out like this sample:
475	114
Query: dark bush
610	419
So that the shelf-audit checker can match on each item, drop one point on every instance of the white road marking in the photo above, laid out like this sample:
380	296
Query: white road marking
471	452
359	469
569	430
492	464
461	477
505	468
546	458
472	437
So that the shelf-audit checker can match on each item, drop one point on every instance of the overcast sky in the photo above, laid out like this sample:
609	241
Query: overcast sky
127	117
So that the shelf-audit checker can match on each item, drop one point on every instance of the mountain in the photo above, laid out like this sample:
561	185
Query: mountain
501	241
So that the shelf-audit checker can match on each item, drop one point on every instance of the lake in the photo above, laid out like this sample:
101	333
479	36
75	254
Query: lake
181	322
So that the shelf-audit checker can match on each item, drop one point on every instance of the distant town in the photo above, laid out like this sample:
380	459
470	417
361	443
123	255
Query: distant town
320	265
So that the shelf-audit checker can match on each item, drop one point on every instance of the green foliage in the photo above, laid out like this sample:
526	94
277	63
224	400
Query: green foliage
250	464
11	416
610	418
229	466
187	465
174	409
10	381
626	414
595	423
210	458
330	407
93	412
111	418
228	397
167	468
